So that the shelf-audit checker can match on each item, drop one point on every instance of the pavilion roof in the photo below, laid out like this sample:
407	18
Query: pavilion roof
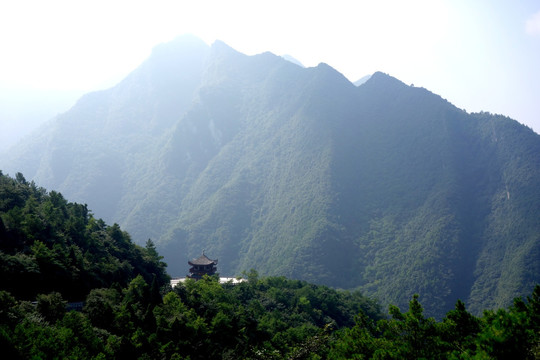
202	260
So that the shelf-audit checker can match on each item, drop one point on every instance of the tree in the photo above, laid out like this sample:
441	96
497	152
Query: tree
154	263
51	306
19	177
459	330
100	307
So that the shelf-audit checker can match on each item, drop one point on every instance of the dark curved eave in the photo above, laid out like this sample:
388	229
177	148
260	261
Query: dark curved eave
202	260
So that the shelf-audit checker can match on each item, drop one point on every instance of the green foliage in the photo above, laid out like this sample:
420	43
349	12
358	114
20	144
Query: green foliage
63	253
52	307
51	245
267	318
131	315
100	307
501	334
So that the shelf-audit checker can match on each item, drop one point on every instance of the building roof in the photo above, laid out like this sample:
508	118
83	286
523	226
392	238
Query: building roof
202	260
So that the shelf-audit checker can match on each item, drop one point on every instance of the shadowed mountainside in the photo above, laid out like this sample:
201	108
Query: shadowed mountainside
295	171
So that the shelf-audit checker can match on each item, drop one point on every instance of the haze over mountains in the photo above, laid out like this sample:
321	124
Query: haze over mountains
22	111
296	171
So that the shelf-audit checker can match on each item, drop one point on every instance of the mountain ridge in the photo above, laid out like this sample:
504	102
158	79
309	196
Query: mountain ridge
295	171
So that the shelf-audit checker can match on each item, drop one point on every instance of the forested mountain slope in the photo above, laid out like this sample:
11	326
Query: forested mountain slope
48	244
295	171
53	252
106	146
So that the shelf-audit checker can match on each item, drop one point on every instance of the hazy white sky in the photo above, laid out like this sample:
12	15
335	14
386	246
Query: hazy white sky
480	55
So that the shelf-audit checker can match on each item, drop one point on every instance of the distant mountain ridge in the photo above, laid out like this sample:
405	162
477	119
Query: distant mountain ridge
292	59
296	171
362	80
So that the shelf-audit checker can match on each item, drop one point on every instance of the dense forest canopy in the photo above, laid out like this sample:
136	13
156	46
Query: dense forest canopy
55	252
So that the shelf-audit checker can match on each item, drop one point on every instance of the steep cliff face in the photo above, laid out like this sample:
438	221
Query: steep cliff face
295	171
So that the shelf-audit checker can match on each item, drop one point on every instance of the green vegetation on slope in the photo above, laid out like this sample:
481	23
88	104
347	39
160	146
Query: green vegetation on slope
48	244
268	318
498	334
385	187
56	252
259	319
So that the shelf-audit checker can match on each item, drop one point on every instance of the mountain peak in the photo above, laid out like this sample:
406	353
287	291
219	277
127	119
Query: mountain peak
179	45
292	59
381	83
220	47
384	78
329	73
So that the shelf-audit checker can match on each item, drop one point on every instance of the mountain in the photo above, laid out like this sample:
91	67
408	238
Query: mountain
22	111
292	59
295	171
53	251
